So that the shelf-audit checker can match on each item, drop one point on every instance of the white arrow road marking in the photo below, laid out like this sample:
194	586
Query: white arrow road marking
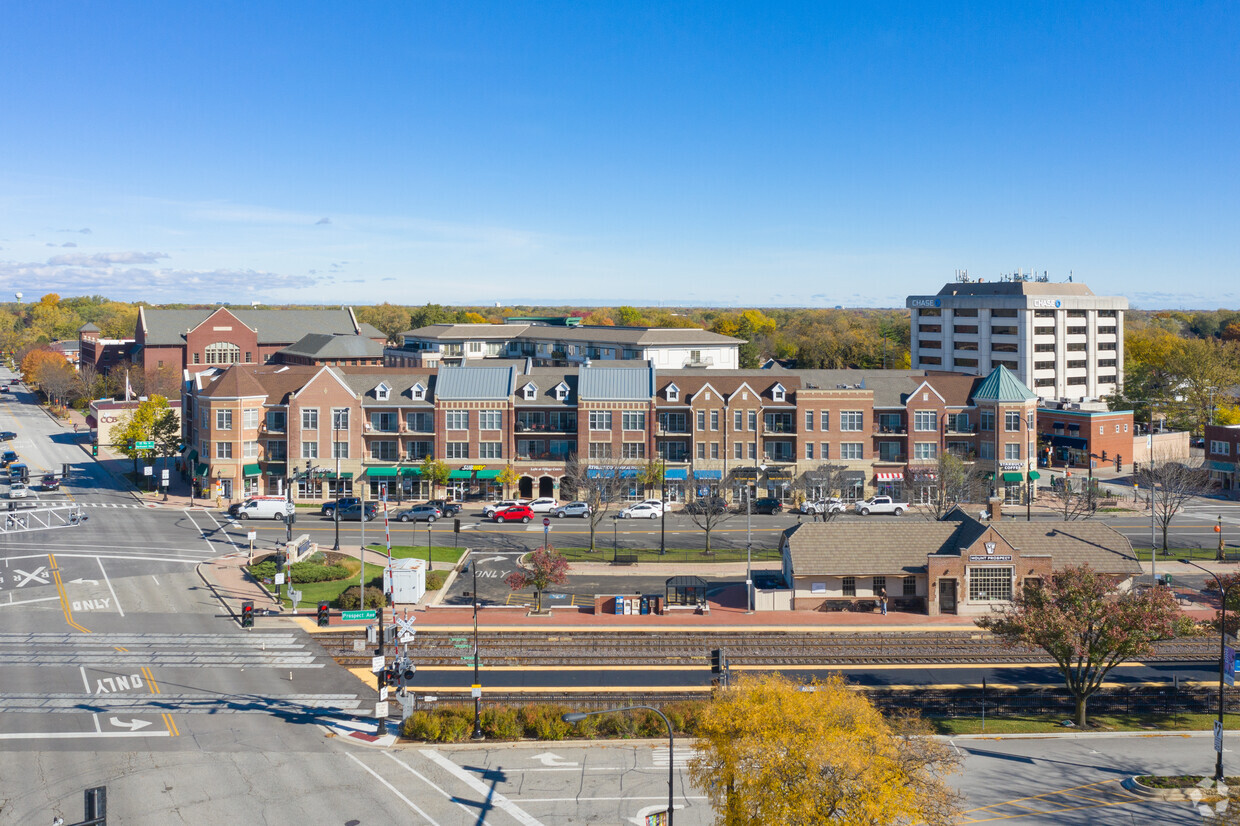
550	759
494	559
85	581
132	725
39	575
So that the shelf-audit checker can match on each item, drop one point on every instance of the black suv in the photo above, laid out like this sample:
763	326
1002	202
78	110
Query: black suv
767	506
448	509
329	506
707	504
7	435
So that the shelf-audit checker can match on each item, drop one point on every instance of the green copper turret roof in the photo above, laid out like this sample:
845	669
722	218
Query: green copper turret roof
1003	386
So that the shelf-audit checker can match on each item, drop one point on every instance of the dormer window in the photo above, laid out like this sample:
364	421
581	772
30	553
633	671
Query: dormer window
673	393
383	392
418	391
561	392
777	393
529	392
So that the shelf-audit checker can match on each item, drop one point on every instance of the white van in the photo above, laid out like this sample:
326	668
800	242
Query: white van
264	507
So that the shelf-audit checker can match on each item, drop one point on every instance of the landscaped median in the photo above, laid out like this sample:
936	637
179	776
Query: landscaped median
329	576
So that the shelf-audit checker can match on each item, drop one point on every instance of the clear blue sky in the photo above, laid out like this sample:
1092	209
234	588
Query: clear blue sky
764	153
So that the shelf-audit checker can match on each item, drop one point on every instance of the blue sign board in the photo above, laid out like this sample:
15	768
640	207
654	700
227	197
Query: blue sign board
1229	665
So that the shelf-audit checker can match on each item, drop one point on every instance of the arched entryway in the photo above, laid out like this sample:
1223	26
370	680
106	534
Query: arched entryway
546	486
525	488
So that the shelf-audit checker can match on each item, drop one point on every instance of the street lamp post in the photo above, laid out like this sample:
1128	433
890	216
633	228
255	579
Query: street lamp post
663	510
578	716
1222	651
336	510
477	735
750	490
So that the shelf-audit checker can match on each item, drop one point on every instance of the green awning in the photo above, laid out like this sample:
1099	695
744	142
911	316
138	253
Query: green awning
276	469
461	474
200	469
489	474
348	474
382	471
411	471
1033	474
1013	477
192	456
252	470
990	474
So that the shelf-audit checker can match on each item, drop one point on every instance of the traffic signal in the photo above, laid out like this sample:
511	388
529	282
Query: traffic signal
247	614
323	615
456	526
716	661
1119	465
406	676
94	449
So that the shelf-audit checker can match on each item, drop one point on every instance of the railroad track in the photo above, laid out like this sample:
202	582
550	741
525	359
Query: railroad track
790	649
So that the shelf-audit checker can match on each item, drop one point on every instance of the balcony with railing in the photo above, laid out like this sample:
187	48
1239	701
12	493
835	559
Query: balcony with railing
774	423
893	429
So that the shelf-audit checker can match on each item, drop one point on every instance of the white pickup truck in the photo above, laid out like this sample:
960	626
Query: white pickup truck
880	504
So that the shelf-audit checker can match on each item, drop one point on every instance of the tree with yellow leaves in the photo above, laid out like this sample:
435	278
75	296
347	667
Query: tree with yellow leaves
771	750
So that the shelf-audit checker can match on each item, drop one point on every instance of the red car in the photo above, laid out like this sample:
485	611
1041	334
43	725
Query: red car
517	513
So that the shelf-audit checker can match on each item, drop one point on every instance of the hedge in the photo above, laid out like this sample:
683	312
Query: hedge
455	724
348	598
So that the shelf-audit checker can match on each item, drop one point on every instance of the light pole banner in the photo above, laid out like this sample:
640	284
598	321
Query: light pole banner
1229	665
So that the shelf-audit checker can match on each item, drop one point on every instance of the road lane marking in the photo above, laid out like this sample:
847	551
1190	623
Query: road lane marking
499	800
428	782
169	725
64	599
69	735
85	682
393	790
27	601
115	601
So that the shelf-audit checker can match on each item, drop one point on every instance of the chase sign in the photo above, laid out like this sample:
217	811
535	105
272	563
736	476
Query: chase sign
925	302
1046	302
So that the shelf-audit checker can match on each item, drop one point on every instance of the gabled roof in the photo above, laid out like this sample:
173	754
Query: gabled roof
1003	386
467	383
335	346
168	327
88	327
592	334
615	383
401	382
234	383
275	381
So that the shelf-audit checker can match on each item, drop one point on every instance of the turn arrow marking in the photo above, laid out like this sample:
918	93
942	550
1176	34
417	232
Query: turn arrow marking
132	725
91	581
550	759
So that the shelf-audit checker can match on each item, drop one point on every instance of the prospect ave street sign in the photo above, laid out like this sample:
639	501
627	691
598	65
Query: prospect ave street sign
144	445
349	616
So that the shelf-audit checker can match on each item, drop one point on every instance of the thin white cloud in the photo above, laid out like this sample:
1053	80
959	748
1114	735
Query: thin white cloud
106	259
322	221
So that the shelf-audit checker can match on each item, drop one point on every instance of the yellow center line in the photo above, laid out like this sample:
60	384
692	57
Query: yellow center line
171	726
64	598
119	648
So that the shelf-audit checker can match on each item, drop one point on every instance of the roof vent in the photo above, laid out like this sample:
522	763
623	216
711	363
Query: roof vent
281	369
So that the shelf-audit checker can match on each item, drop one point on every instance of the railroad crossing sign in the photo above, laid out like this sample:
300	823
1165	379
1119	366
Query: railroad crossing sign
405	632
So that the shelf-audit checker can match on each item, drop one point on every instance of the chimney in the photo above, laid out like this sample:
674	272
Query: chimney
995	504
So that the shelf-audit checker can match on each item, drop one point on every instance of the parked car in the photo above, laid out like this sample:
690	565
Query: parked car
19	472
7	435
543	504
354	512
767	505
581	509
823	506
642	510
4	387
49	482
881	504
261	507
419	513
490	508
516	513
345	501
8	457
448	509
18	490
707	504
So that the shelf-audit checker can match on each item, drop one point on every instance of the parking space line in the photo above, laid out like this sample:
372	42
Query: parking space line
489	792
115	601
428	782
393	789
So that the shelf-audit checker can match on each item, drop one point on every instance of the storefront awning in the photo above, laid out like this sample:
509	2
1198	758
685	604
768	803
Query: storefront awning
852	476
348	474
1070	442
461	474
252	470
779	473
276	469
489	474
200	469
1033	474
1225	467
676	474
708	474
925	475
888	477
192	456
382	471
1013	477
411	471
743	473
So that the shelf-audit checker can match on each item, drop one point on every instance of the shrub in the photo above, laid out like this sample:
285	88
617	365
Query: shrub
501	724
587	728
422	725
313	572
623	724
454	728
650	724
348	601
435	580
263	570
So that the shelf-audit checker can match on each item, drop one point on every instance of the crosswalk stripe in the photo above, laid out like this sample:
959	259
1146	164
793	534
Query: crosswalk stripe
176	703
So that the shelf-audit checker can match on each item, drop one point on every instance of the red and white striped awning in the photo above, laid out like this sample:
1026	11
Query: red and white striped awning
928	475
888	477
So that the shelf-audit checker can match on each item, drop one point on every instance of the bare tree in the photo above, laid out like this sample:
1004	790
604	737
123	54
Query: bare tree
949	483
707	512
829	479
1170	484
600	484
1071	498
90	382
58	380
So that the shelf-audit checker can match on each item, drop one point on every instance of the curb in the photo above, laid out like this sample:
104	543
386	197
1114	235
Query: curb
223	602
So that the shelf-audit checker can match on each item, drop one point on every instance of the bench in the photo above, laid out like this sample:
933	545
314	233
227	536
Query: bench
625	559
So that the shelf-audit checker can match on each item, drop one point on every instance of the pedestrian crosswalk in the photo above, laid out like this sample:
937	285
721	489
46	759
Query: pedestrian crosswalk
680	758
168	650
164	703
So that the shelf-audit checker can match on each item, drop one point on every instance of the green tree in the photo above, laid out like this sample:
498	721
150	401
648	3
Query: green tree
139	426
770	751
508	477
166	433
1086	624
387	318
430	314
748	353
436	472
630	317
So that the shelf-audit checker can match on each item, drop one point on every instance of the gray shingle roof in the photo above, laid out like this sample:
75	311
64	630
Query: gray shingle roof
1081	542
616	383
327	346
601	334
399	380
167	327
475	383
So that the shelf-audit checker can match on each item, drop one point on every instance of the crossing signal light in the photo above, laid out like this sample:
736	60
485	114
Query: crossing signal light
716	661
247	614
323	615
456	526
1119	465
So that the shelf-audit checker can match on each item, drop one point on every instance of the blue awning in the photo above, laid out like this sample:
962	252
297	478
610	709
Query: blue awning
625	472
676	474
1069	441
1225	467
708	474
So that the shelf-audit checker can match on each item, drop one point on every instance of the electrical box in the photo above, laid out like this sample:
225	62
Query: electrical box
405	580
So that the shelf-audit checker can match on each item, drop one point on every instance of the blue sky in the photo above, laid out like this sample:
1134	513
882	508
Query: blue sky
752	154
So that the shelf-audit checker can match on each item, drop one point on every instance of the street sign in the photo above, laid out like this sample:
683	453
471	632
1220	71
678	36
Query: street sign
1229	666
164	473
546	522
143	445
148	471
475	691
377	662
1218	736
251	535
356	616
383	694
381	711
280	578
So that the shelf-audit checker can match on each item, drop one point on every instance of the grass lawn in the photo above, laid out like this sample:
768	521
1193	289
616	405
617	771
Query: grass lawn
314	592
445	554
1177	553
604	553
1097	723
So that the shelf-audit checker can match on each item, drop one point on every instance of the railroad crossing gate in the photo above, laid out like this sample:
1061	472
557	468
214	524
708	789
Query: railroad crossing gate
41	519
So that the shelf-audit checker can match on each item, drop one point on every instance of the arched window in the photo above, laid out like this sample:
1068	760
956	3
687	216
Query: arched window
222	352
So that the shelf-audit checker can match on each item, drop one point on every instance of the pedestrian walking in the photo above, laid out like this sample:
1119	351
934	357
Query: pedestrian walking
882	601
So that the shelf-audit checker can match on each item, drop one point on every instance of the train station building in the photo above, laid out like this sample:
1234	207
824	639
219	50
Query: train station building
956	566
